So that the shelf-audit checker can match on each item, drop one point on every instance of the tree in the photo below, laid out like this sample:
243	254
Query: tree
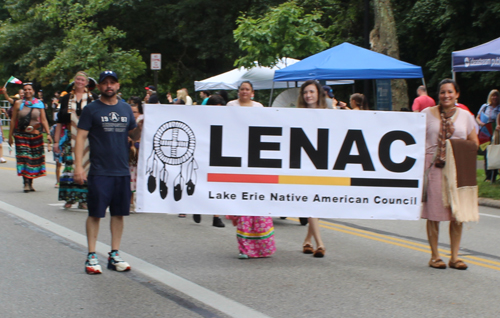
430	30
284	31
54	39
384	39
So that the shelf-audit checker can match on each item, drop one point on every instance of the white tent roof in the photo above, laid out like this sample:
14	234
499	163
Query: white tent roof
260	77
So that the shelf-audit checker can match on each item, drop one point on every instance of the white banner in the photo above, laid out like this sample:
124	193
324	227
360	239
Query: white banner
281	162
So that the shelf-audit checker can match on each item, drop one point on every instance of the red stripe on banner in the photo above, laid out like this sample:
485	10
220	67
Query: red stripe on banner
243	178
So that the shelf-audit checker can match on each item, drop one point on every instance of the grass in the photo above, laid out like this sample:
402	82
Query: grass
487	189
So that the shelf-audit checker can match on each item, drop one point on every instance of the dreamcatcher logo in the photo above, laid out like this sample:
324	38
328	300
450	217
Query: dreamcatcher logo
173	145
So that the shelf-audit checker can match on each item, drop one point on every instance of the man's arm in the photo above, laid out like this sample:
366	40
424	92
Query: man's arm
416	106
135	134
79	175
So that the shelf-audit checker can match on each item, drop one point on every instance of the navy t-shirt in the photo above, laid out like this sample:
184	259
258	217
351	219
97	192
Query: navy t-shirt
108	127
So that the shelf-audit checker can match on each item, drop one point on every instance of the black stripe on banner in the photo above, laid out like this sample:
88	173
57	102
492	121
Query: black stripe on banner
389	183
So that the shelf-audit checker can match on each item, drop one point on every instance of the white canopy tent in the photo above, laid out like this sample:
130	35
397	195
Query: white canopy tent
260	77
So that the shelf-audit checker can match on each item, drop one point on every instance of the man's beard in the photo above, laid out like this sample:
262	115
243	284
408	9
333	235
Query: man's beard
109	94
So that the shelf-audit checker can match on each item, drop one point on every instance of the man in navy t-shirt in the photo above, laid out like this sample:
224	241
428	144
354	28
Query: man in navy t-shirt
106	122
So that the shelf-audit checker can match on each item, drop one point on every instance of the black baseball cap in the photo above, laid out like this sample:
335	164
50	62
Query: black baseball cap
107	74
150	87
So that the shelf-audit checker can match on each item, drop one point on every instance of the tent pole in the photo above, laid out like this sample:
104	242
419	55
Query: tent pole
271	96
423	82
453	76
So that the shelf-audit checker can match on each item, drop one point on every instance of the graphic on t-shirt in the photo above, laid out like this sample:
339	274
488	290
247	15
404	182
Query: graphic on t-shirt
114	122
173	145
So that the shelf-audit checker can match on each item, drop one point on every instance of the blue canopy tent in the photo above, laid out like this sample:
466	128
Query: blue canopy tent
482	58
348	62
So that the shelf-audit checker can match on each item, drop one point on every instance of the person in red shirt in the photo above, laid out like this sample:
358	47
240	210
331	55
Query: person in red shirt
423	100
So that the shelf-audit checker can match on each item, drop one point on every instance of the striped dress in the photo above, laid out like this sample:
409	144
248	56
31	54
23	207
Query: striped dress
255	236
30	155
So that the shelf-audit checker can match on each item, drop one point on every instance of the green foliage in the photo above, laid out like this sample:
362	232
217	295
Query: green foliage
53	39
487	189
430	30
284	31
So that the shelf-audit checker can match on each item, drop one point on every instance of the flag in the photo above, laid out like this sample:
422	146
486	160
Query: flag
14	80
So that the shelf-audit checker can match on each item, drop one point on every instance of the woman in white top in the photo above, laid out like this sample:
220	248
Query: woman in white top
444	121
309	97
245	94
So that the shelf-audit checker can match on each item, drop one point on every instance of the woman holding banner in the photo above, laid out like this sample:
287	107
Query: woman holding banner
309	97
486	118
255	234
446	121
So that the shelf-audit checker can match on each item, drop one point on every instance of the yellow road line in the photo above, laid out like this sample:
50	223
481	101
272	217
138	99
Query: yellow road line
403	243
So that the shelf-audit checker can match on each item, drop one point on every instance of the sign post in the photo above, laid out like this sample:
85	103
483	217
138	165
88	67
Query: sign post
156	66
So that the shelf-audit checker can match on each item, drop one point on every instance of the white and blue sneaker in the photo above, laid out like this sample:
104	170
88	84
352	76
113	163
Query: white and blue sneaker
116	263
92	264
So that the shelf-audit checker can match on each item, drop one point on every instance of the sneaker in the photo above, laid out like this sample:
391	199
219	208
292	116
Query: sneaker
92	264
115	262
2	160
217	222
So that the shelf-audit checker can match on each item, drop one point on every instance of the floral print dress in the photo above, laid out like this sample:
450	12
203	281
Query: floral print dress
255	236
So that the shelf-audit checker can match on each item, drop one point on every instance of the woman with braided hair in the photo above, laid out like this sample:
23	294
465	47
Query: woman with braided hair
445	121
72	105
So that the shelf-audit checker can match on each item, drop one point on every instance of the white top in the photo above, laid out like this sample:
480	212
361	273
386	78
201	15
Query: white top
237	103
189	100
463	123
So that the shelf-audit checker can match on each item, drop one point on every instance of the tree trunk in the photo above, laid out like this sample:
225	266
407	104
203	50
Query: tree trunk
383	39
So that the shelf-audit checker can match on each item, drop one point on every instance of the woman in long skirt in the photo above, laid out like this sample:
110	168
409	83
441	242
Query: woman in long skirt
28	117
255	234
72	105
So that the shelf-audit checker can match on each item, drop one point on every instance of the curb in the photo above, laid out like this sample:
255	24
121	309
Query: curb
491	203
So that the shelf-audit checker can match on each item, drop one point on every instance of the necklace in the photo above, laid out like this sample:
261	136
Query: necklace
31	102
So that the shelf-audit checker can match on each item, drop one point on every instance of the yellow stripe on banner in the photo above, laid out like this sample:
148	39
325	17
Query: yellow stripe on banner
255	234
334	181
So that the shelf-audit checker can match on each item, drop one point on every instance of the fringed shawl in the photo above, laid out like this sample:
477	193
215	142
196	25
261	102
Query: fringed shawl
459	180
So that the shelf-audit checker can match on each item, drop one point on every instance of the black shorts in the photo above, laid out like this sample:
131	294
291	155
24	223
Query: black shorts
107	191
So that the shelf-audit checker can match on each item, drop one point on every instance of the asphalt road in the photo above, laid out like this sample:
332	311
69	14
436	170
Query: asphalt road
182	269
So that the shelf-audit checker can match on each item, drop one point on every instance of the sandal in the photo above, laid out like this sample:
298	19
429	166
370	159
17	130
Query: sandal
459	264
437	263
307	248
319	252
68	205
82	206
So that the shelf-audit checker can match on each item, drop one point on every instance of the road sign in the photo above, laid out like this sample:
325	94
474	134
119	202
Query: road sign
156	61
